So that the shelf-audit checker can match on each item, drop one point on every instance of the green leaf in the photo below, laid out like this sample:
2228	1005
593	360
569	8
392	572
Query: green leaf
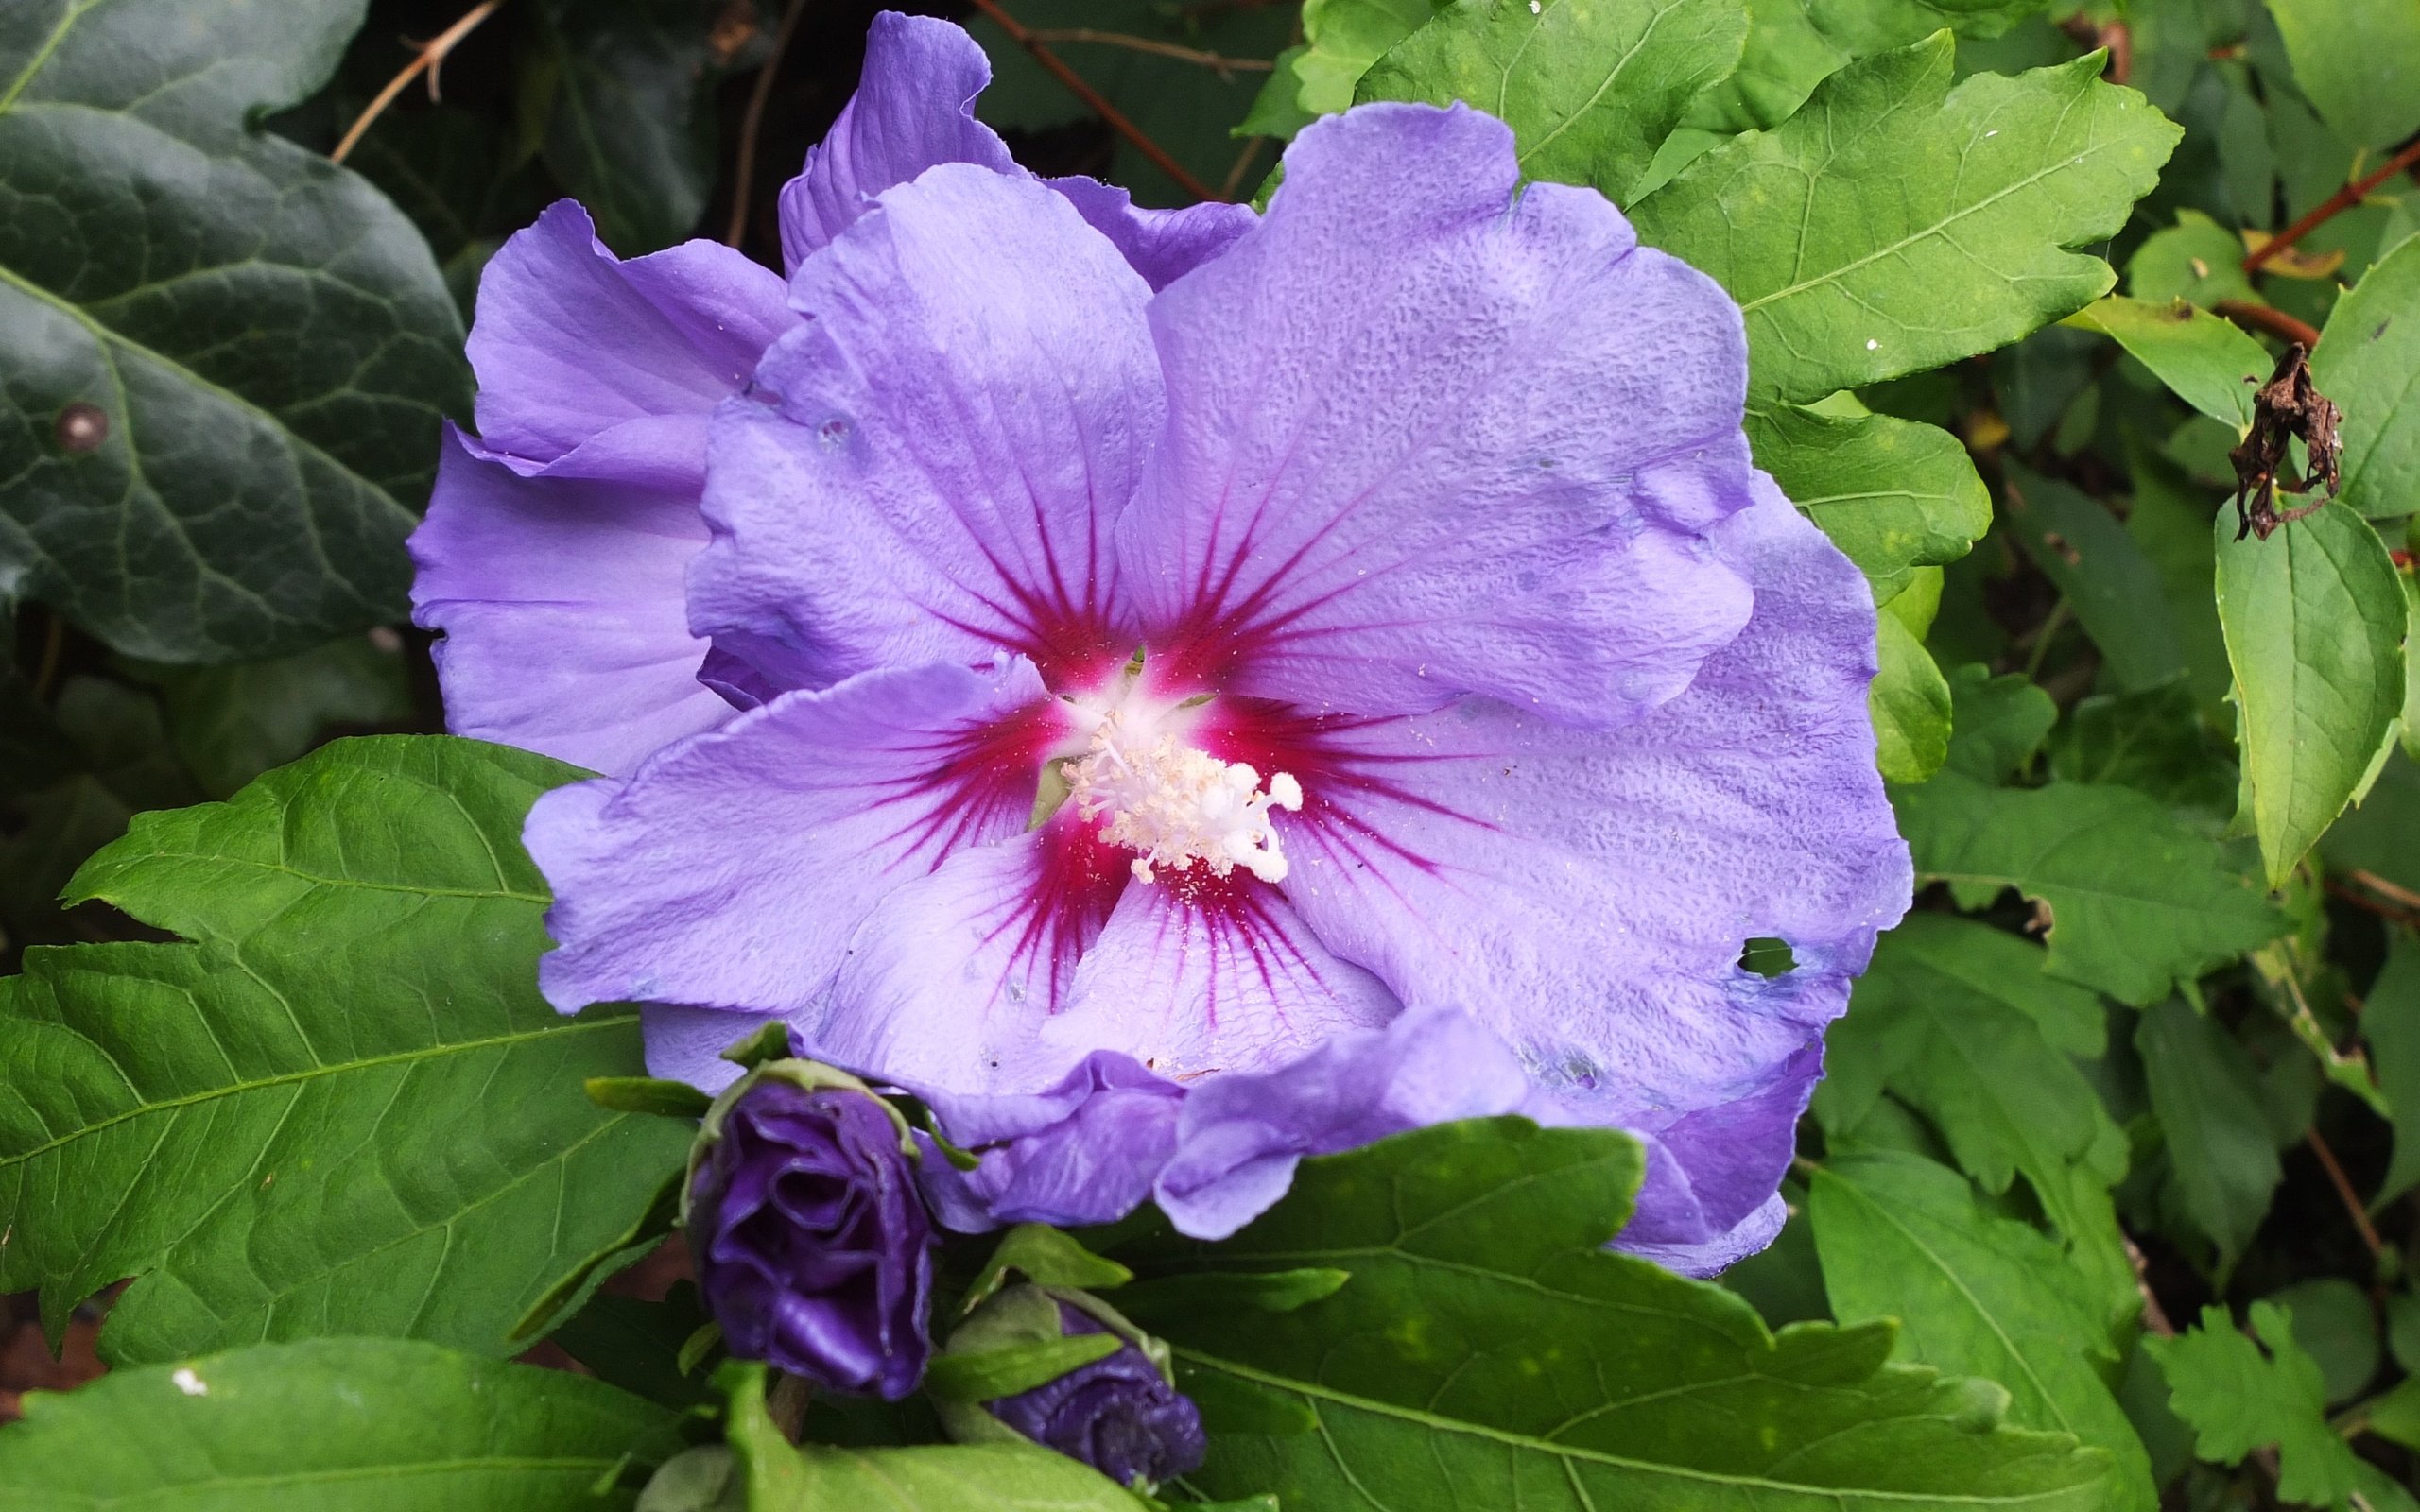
2136	901
2390	1026
2239	1400
1957	1020
337	1425
1895	224
1891	493
636	1345
2000	722
2197	259
2170	520
1342	38
2153	742
2315	620
1003	1372
1974	1294
2204	360
264	335
344	1109
2336	1326
1046	1257
1591	88
1210	1295
2223	1157
2113	588
230	724
2359	62
2395	1416
1490	1352
623	93
2367	361
786	1477
1909	701
1795	44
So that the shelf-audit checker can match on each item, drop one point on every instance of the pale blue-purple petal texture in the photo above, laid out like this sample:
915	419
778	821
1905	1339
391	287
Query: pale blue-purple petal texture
1161	245
559	598
731	871
947	443
1427	440
1084	1151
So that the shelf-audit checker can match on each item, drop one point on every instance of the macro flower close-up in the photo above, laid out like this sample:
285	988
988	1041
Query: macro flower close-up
1379	618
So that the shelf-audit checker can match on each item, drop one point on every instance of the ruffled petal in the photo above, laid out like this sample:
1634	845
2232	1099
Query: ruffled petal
732	870
560	600
914	108
1587	895
1426	438
571	345
949	983
1239	1137
1162	244
1197	976
1084	1151
947	442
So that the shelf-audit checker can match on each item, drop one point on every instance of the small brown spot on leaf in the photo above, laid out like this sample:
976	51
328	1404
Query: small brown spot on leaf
2287	406
83	427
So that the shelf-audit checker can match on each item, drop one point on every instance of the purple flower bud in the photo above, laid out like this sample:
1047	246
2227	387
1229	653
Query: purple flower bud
814	1251
1118	1415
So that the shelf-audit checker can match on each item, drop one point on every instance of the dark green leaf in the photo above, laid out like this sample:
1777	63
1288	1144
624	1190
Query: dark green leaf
2365	362
335	1425
1959	1021
1490	1352
2135	900
2171	521
647	1095
2000	722
636	1345
786	1477
230	724
2381	833
344	1109
1591	88
2336	1326
2153	742
1974	1294
2113	588
2315	620
2358	61
1004	1372
2391	1024
2222	1155
1204	1296
2238	1400
265	339
1895	224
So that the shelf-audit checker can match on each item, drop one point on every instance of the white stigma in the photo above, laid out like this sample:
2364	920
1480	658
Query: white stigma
1177	805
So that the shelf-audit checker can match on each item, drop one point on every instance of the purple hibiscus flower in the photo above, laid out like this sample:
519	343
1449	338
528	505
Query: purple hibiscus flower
1361	682
556	543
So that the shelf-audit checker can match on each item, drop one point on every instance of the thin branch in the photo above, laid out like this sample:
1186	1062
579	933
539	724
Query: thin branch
2343	199
432	53
2261	319
1092	98
2344	1185
1234	179
743	172
1216	63
2386	889
2155	1316
2408	917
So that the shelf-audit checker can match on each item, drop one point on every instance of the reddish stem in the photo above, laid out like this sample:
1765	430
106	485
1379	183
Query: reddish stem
2345	198
2343	1186
2261	318
1057	68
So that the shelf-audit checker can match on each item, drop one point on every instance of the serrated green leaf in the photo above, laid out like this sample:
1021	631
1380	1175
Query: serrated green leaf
2135	900
264	335
1974	1294
1490	1352
2196	260
1591	88
2239	1400
1909	701
786	1477
2113	588
1894	224
2314	619
1957	1020
2359	62
2204	360
2223	1157
1891	493
2368	361
1340	39
337	1425
1795	44
344	1109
